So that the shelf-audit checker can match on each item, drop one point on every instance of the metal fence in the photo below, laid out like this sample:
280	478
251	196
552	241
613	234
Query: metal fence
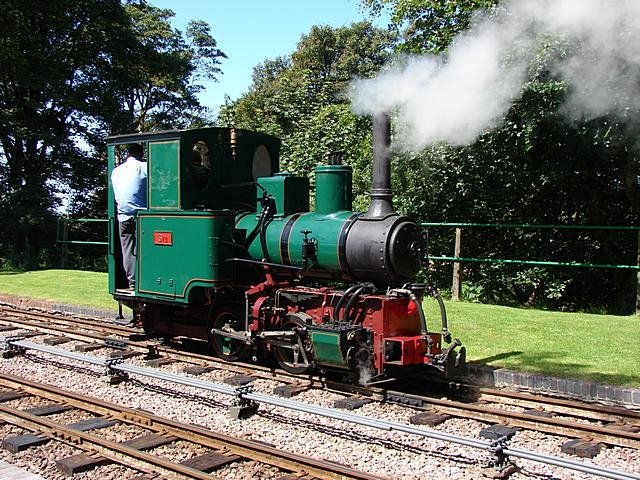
62	235
457	258
62	230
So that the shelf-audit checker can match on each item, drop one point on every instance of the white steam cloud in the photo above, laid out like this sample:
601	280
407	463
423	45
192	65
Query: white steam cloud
458	97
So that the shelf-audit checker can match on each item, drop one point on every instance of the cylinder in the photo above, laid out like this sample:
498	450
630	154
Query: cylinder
333	188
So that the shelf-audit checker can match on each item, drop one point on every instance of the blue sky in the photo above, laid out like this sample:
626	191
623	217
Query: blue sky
250	31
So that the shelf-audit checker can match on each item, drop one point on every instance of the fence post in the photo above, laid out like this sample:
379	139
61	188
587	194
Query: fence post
638	276
65	250
457	282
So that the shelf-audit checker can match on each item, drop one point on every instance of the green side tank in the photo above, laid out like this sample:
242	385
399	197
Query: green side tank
284	235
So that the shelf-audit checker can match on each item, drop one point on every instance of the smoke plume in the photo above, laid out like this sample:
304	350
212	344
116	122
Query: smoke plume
455	98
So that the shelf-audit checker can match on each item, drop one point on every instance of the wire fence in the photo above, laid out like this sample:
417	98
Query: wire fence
62	230
63	237
457	259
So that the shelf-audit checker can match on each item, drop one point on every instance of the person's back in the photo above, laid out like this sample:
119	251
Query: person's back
129	181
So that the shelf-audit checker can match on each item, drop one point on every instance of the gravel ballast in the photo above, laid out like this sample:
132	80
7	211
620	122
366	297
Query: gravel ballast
390	453
478	374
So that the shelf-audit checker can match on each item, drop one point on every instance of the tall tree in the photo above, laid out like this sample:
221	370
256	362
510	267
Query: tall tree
154	83
73	72
304	98
540	165
428	26
333	57
51	53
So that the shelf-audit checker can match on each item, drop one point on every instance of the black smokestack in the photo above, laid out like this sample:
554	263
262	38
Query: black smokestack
381	195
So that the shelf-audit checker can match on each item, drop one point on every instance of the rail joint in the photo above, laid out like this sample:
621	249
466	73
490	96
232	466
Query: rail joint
241	407
9	349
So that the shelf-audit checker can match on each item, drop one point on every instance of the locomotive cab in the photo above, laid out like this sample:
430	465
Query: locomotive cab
197	180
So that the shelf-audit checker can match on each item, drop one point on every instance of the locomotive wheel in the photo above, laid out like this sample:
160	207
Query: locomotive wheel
228	348
289	356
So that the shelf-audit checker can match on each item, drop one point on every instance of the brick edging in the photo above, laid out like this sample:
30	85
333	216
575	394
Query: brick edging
32	303
561	387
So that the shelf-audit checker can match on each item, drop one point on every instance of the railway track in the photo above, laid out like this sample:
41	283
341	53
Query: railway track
573	419
154	431
596	423
588	423
121	338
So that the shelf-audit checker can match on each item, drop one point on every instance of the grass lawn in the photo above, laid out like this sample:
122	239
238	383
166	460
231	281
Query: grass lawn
73	287
600	348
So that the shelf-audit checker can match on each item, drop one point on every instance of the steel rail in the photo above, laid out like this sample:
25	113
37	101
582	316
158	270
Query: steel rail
564	406
622	438
20	315
143	347
245	394
568	463
75	332
104	447
189	432
256	397
139	346
608	434
604	413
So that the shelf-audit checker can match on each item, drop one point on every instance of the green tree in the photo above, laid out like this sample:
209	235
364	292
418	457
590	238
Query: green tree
429	26
151	84
51	54
541	165
333	57
73	72
154	82
303	99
